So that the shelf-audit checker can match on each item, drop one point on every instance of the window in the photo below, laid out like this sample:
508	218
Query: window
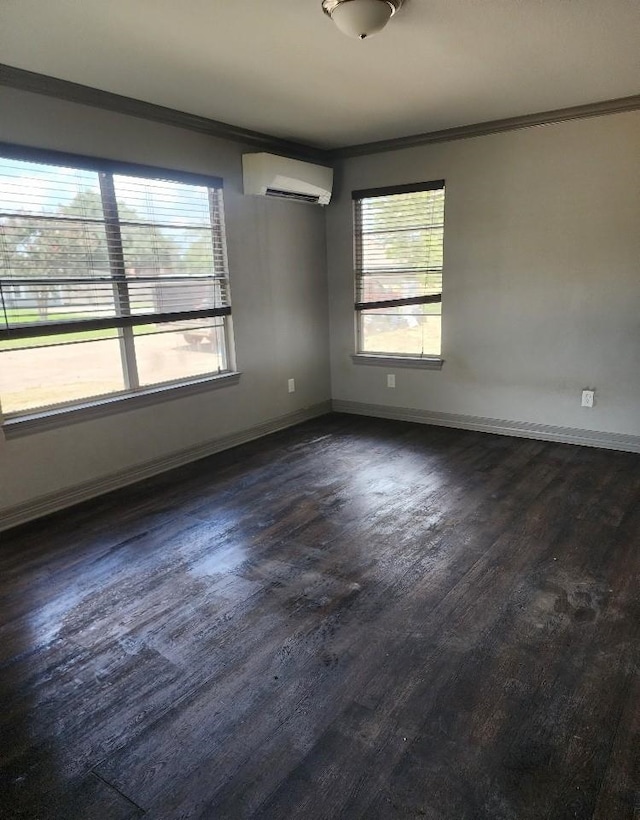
398	267
113	279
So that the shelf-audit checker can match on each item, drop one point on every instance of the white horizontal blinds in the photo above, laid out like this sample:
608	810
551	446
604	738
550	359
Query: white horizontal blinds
83	248
53	244
172	246
399	246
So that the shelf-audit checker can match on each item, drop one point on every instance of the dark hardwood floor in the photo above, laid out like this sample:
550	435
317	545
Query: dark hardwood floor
354	618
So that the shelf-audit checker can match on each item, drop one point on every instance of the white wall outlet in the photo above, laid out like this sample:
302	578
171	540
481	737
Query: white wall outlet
587	398
291	385
391	379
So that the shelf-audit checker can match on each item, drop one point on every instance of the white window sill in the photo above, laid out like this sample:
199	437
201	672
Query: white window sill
417	362
42	420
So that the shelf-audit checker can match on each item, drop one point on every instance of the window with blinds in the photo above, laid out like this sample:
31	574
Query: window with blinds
113	278
398	269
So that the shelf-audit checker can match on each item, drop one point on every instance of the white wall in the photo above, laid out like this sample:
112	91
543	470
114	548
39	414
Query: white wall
541	294
278	281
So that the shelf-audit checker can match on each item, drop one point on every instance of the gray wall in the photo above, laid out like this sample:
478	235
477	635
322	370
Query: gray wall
278	282
541	294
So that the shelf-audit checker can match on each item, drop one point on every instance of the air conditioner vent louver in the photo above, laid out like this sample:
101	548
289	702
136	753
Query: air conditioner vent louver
292	195
271	175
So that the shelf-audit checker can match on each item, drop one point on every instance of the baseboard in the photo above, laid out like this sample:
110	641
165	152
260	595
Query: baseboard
53	502
522	429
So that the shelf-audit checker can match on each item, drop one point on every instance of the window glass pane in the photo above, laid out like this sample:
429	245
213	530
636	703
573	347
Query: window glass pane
394	251
32	188
53	246
166	227
379	286
62	339
182	293
413	330
150	250
52	300
78	246
399	256
180	350
160	202
36	377
405	211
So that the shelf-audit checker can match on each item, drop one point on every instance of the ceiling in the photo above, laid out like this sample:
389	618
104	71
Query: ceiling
281	67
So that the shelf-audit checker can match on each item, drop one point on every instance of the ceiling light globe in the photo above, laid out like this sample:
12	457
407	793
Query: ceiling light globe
361	18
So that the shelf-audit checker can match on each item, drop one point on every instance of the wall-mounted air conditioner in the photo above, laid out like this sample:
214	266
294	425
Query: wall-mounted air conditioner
271	175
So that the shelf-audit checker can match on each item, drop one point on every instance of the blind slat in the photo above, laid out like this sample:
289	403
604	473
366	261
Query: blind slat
53	328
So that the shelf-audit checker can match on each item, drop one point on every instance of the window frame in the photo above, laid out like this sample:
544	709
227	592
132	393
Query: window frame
425	361
133	395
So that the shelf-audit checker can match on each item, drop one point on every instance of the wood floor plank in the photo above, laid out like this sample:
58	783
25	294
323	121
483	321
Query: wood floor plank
88	798
353	618
619	794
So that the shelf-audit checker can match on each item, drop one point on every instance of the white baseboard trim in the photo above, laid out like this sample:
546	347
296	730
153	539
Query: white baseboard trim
522	429
53	502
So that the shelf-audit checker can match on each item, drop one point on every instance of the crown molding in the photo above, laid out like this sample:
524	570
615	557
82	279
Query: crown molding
23	80
482	129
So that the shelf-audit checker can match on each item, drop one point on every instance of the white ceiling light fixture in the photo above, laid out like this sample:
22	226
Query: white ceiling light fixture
360	18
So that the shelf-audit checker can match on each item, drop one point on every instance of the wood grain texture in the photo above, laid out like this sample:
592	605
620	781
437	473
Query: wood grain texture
354	618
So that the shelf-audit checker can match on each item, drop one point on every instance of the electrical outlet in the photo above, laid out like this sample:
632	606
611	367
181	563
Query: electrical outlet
291	384
391	379
587	398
